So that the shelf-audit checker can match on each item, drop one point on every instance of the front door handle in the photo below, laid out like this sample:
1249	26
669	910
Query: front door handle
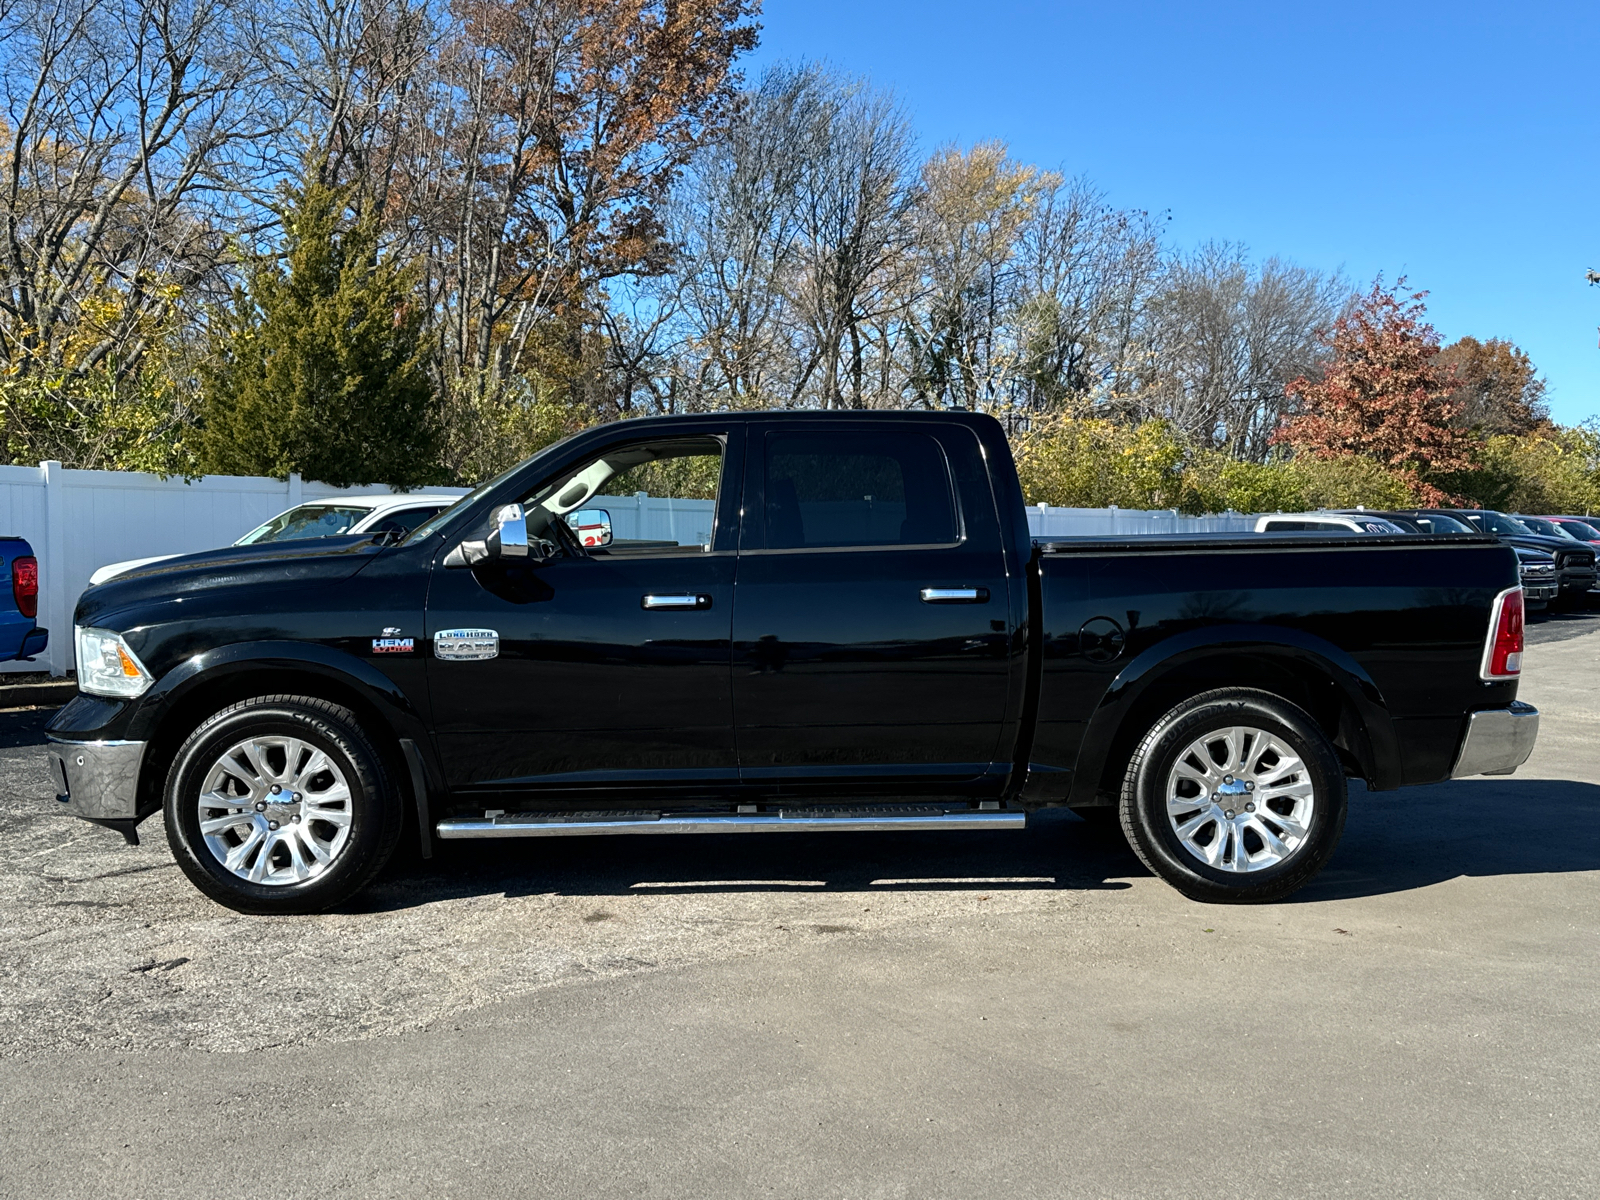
676	601
955	595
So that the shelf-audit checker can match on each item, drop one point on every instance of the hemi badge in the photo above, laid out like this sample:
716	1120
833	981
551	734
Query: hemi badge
465	645
393	645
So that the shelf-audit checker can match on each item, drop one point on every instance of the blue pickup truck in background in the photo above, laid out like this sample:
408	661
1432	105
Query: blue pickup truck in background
20	637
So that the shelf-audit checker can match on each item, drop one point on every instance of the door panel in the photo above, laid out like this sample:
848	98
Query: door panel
590	688
613	664
842	671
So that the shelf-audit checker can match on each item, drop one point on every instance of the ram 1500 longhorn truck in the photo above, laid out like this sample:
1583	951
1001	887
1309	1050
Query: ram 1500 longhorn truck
867	638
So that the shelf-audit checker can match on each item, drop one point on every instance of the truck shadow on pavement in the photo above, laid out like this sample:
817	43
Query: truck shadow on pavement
1547	626
1057	852
23	727
1396	841
1393	842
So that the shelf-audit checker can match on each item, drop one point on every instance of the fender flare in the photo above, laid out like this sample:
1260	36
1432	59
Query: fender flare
386	697
1379	755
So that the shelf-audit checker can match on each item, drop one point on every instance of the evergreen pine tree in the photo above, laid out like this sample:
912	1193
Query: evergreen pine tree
319	366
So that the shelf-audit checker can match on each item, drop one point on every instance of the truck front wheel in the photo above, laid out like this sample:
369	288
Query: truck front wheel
1234	796
281	804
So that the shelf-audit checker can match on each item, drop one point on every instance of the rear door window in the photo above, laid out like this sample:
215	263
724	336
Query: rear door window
848	489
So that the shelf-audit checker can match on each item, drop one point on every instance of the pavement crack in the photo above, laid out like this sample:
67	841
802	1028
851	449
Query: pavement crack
153	965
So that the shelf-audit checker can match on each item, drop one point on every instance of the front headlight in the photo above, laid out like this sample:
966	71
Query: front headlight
107	667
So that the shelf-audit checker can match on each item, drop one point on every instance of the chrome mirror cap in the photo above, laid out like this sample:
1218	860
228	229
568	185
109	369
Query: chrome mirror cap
510	537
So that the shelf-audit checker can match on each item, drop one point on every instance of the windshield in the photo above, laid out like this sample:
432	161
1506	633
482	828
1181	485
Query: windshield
432	525
1581	530
1434	523
1500	523
1548	528
305	521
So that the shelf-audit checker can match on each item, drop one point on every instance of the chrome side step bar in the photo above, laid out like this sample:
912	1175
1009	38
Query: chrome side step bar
877	819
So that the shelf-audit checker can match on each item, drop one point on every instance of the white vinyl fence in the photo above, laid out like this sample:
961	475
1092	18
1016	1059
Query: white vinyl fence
642	516
77	521
1048	522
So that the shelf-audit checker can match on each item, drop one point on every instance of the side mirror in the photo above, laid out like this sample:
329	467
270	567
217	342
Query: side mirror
592	525
508	539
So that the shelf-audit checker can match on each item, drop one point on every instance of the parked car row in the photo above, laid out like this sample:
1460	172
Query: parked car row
1555	555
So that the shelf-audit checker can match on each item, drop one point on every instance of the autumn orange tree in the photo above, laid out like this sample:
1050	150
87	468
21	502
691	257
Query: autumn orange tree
1496	386
1383	395
557	130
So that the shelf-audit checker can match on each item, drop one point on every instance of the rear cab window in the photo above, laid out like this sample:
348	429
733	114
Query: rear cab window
856	490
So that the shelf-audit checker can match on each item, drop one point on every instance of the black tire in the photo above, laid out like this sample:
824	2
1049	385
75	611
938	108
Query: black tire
1151	833
376	812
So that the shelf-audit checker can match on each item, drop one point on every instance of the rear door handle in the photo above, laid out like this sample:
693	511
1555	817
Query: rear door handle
955	595
676	601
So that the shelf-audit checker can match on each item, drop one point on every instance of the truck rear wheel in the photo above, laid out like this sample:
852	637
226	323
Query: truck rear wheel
280	804
1234	796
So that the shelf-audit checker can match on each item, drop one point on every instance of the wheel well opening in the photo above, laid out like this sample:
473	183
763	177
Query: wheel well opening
1300	684
215	695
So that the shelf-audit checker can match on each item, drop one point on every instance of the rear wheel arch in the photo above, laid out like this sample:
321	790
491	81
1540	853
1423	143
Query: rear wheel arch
1358	726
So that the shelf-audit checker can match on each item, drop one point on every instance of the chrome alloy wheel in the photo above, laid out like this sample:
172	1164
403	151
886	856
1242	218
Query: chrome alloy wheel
1240	799
275	810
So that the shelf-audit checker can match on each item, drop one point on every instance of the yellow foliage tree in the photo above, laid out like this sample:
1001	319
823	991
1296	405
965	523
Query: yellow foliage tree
1214	481
1351	481
1093	463
1553	471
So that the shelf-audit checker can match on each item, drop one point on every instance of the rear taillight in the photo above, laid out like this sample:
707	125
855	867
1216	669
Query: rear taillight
25	585
1502	656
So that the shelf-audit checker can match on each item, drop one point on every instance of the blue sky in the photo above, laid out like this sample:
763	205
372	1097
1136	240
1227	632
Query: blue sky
1453	143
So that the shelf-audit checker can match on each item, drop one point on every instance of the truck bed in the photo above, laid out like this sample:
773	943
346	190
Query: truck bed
1379	637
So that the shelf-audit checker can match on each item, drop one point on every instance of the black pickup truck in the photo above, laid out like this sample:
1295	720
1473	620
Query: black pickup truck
863	636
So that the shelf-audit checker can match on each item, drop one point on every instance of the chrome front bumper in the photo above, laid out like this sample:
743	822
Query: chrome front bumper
99	780
1498	741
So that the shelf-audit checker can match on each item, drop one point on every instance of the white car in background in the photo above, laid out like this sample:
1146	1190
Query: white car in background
1324	522
321	518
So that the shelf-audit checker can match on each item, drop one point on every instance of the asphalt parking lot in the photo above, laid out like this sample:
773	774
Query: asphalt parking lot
871	1015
